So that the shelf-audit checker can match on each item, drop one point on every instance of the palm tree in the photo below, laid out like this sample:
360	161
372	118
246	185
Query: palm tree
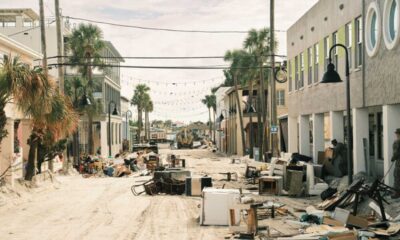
55	124
13	74
37	97
241	64
86	44
148	109
258	43
207	100
139	99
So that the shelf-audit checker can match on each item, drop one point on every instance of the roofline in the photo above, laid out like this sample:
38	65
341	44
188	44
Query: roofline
24	49
125	98
28	11
114	50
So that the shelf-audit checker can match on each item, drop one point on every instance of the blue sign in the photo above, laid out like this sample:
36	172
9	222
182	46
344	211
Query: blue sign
274	129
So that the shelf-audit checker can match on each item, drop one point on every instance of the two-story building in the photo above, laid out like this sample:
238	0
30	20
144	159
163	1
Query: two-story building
370	31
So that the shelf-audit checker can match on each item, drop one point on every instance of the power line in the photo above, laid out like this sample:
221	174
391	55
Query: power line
162	29
162	57
218	67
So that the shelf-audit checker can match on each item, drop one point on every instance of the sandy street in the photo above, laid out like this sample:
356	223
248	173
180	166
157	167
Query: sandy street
105	208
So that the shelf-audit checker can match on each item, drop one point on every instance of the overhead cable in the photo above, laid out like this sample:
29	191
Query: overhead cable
163	29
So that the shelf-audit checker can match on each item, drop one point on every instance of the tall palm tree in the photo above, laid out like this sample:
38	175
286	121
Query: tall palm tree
148	109
139	99
86	44
258	43
207	100
75	90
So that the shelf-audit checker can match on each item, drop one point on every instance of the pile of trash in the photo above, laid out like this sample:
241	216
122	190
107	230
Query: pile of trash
120	166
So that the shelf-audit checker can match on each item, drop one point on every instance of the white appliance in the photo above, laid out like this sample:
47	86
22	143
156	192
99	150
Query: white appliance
216	204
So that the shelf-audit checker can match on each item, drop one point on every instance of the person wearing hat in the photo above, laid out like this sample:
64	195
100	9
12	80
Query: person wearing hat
396	158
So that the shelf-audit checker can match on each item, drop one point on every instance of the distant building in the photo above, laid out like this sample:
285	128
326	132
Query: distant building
158	135
22	25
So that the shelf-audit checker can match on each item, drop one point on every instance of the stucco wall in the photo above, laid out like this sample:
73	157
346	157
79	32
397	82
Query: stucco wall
382	82
324	18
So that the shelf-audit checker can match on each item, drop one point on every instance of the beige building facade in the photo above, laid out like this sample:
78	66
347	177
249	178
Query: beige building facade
14	148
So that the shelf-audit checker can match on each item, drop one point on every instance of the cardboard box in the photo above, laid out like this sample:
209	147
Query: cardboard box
194	185
357	221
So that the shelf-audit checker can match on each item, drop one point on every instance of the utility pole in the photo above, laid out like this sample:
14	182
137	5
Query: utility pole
273	114
44	52
66	162
59	46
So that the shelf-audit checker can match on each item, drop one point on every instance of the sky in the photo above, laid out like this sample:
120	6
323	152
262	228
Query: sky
176	94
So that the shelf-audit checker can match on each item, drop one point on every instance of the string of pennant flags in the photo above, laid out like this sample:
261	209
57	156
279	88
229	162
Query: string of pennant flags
130	80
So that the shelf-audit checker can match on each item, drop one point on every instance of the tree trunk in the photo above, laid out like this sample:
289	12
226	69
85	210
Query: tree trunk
90	116
30	167
3	121
146	125
240	115
209	123
139	124
75	142
90	135
263	110
250	104
214	125
260	124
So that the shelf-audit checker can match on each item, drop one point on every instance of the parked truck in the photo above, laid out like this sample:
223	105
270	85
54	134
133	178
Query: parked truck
184	139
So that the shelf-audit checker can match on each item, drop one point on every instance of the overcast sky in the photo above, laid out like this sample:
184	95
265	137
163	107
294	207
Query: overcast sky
177	93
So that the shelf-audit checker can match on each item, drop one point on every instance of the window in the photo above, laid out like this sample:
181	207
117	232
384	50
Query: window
296	69
359	42
372	30
301	83
9	24
316	62
349	42
310	65
326	52
290	75
280	98
335	51
27	23
391	21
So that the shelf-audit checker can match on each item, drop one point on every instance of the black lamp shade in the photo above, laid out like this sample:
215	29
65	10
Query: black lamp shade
85	101
251	109
115	112
221	117
331	76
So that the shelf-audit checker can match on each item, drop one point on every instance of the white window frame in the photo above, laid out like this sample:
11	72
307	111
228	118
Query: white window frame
359	42
349	42
327	47
301	70
310	71
316	62
389	42
372	50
